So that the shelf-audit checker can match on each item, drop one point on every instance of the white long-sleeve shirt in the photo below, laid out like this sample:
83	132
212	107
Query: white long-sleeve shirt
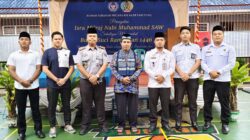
221	59
159	63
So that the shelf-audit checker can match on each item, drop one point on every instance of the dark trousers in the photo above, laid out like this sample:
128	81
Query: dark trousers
124	101
90	93
154	94
191	88
52	95
21	100
222	89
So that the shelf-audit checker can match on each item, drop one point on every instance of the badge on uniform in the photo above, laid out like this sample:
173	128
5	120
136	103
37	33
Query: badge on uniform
164	64
193	55
153	60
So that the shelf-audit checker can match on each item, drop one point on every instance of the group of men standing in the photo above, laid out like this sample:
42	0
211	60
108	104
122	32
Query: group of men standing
216	59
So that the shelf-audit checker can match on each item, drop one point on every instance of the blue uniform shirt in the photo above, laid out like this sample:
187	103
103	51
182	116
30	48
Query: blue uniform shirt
185	57
221	59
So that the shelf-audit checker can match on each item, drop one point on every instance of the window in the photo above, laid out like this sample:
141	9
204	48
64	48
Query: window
203	26
20	29
16	29
9	30
228	26
34	29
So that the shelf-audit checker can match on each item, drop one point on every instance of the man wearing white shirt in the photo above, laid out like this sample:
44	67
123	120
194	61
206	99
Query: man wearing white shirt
218	58
24	67
159	65
187	57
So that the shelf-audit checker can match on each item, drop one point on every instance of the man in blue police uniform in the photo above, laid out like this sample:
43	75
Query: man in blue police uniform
187	58
218	58
126	68
92	62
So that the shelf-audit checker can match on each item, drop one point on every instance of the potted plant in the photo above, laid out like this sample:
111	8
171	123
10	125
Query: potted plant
75	80
239	75
7	83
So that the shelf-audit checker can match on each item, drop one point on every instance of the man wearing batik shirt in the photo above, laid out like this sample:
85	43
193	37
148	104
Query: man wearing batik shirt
126	68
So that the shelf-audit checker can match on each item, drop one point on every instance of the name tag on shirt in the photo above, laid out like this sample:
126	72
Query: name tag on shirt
63	58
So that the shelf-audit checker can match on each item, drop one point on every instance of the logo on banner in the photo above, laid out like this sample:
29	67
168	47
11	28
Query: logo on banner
127	6
113	6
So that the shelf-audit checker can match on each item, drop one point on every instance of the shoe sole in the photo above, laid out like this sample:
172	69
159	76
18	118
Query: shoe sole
52	136
71	132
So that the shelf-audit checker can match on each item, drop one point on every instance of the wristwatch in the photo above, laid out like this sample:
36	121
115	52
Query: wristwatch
189	74
31	82
98	76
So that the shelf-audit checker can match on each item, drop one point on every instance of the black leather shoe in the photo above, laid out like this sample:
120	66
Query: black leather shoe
40	134
195	126
83	130
178	126
104	129
225	129
152	127
207	125
166	127
21	136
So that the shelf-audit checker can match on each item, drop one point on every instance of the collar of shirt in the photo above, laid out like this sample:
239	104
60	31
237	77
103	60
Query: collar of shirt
155	51
221	45
187	44
126	52
91	48
29	51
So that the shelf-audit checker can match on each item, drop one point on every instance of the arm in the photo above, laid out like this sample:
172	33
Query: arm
197	62
36	74
38	69
104	65
195	66
82	70
203	61
49	73
231	61
147	66
12	72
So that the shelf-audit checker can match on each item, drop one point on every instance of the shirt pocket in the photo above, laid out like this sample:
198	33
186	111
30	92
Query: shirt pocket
209	54
99	58
224	54
85	59
152	62
193	55
179	56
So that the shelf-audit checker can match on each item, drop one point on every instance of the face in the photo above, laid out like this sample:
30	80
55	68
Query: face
126	44
92	39
57	40
218	36
24	42
185	35
159	42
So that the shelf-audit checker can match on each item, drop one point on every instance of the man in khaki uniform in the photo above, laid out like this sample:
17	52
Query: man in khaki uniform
92	62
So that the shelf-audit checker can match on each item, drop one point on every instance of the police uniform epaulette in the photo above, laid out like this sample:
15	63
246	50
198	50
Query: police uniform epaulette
101	47
81	48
